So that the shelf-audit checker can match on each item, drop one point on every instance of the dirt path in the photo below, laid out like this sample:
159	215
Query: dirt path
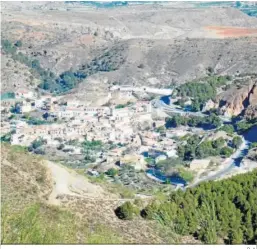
68	182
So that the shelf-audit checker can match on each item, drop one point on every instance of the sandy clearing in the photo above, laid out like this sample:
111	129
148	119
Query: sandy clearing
70	183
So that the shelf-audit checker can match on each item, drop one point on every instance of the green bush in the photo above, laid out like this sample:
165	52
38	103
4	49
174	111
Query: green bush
211	121
228	128
236	142
213	210
201	90
112	172
127	211
194	149
18	44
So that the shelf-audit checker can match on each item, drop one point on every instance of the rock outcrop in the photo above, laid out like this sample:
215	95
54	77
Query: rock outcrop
236	101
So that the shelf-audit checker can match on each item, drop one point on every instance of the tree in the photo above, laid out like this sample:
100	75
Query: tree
60	147
223	209
210	70
218	143
37	143
228	128
226	151
112	172
16	108
45	115
18	44
8	47
236	142
35	64
127	211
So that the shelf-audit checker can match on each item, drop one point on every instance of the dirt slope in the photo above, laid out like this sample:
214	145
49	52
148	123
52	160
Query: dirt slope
28	180
172	42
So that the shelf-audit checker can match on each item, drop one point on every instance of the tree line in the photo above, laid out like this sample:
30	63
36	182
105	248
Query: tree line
210	212
201	91
68	79
209	122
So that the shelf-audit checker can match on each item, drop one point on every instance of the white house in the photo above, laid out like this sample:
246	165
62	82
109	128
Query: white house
26	108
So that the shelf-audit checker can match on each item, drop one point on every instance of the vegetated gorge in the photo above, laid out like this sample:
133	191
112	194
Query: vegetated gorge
116	133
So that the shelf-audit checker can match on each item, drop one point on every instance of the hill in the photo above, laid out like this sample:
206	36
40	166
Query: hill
38	209
172	44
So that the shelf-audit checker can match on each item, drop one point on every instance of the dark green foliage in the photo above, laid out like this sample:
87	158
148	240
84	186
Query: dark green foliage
194	149
186	175
7	95
170	165
37	143
16	108
18	44
210	70
201	91
236	142
245	125
210	122
6	137
225	209
253	145
226	151
150	161
127	211
112	172
60	147
36	121
92	144
45	76
228	128
120	106
8	47
69	79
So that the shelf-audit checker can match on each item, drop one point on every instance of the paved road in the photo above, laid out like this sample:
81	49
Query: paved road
157	103
229	163
227	166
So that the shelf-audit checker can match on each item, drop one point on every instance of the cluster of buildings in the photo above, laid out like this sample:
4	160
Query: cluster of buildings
74	120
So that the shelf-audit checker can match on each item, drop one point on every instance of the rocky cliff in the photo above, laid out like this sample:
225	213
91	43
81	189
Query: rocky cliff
239	100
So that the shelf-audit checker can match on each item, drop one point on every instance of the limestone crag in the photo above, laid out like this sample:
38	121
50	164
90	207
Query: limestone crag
236	101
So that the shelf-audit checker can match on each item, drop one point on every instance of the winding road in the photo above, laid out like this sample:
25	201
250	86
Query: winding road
157	103
228	165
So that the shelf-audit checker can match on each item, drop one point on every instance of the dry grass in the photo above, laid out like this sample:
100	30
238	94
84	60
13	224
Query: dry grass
27	218
23	178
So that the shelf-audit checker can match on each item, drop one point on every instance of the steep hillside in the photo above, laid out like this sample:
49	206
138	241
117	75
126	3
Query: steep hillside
239	99
82	213
171	44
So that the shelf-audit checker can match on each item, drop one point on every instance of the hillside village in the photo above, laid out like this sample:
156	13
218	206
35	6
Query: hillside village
74	120
102	139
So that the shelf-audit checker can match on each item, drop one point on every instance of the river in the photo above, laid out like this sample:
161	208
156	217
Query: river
159	176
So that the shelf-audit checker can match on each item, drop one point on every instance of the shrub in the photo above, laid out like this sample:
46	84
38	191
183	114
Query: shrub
112	172
18	43
236	142
127	211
